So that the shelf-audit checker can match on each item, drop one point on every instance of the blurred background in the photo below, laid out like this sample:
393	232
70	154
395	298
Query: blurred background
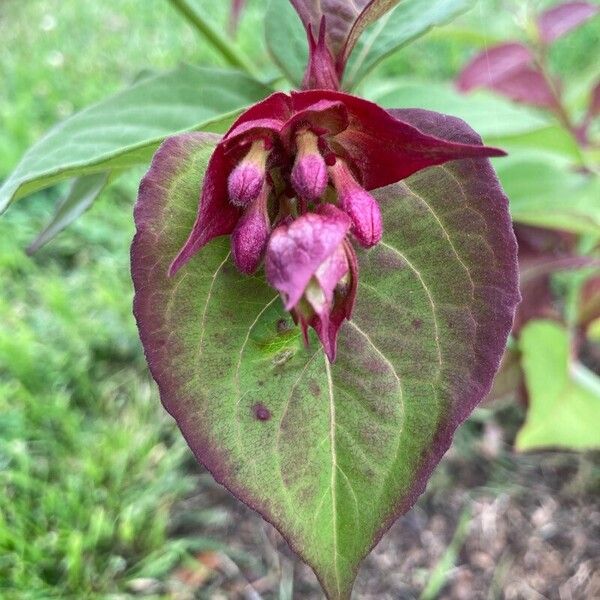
99	495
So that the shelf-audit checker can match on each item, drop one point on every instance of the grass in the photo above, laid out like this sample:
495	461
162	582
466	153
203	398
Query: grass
91	468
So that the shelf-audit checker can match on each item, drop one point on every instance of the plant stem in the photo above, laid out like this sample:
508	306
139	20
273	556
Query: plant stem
559	108
212	35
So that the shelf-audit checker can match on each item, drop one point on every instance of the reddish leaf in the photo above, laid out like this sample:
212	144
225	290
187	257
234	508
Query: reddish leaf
559	20
542	253
331	454
382	148
509	70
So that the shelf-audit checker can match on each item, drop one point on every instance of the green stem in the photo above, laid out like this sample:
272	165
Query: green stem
212	35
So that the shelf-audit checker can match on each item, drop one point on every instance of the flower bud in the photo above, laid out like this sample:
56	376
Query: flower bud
246	180
309	175
321	72
358	204
312	265
250	236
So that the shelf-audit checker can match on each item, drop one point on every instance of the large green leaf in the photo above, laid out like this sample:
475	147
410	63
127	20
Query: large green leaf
498	121
408	21
564	397
330	454
286	40
545	193
126	129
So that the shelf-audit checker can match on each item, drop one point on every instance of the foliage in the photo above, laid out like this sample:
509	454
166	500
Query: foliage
84	502
558	188
563	409
530	130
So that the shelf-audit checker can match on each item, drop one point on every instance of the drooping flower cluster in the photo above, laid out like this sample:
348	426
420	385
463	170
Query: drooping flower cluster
290	184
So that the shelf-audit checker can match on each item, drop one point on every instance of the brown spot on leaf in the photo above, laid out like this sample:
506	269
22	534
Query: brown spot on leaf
282	326
261	412
314	387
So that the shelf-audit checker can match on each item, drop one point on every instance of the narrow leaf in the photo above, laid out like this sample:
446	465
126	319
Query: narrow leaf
330	454
81	196
125	129
564	410
509	70
405	23
559	20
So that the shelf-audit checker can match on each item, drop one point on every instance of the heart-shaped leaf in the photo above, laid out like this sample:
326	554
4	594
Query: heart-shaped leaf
126	129
330	454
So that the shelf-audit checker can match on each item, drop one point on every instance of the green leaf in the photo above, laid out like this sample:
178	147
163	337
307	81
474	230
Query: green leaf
126	129
564	397
498	121
286	40
408	21
81	196
545	193
330	454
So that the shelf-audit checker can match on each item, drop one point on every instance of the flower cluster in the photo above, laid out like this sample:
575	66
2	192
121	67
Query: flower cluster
290	184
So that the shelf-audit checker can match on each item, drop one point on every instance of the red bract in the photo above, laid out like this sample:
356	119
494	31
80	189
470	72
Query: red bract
339	24
296	163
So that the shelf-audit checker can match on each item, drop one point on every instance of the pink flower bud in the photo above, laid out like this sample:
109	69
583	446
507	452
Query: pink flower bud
314	268
359	205
250	236
246	180
309	175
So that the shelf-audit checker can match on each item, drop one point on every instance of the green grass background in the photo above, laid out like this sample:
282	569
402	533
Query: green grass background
90	466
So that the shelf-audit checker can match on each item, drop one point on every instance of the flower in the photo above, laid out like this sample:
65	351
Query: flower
294	165
292	177
314	268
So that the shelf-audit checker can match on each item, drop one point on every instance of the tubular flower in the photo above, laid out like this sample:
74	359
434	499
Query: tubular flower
300	166
311	264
